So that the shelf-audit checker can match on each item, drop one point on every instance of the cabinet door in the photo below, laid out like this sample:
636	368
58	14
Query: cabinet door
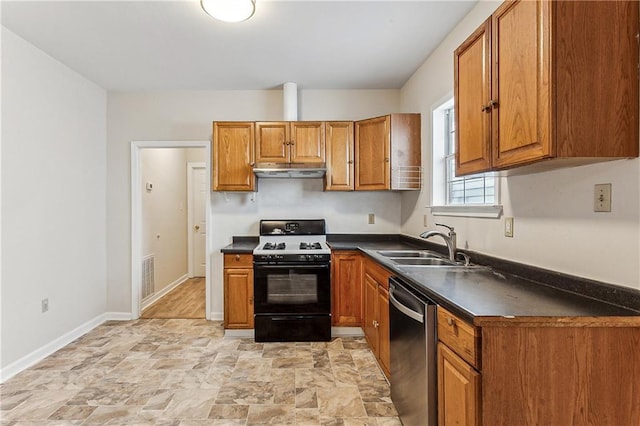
346	291
272	142
521	80
233	156
372	148
238	298
339	156
307	142
458	390
383	331
472	75
370	317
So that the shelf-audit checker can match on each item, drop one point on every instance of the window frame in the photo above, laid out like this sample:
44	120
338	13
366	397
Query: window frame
441	160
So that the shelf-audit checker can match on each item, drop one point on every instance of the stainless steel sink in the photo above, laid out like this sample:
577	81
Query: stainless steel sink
410	253
423	261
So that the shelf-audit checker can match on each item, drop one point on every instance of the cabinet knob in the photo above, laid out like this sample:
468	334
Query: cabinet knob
350	162
386	160
485	108
291	143
493	104
237	257
450	321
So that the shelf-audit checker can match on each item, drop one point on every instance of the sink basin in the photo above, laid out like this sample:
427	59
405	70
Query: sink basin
410	253
422	261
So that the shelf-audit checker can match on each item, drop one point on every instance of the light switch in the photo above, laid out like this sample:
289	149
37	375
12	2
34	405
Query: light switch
372	218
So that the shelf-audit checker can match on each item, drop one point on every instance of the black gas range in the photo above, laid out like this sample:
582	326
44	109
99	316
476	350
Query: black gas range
292	282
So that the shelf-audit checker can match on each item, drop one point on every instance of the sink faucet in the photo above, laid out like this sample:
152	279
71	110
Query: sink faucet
449	239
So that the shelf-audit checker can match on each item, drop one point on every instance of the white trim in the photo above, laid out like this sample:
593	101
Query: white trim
136	217
242	334
44	351
216	316
346	332
191	166
147	302
468	210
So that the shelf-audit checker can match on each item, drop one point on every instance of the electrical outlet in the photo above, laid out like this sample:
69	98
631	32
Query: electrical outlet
508	227
45	305
602	197
425	222
372	218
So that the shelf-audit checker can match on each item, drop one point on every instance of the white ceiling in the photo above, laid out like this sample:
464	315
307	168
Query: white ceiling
174	45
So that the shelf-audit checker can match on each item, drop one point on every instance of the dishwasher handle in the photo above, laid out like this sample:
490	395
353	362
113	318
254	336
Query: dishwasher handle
402	308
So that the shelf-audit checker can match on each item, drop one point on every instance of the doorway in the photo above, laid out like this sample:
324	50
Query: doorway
190	283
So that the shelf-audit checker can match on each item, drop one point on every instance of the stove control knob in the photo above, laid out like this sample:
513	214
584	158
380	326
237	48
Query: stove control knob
309	257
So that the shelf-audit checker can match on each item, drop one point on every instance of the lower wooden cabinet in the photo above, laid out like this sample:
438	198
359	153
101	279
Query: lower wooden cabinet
376	312
346	289
458	390
238	291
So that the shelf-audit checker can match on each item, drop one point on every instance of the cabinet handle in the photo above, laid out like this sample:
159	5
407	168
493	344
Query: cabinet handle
350	162
493	104
251	301
450	321
237	257
386	160
486	108
252	164
291	143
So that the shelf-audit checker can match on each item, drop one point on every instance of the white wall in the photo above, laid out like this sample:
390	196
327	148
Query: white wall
188	116
53	199
164	212
555	226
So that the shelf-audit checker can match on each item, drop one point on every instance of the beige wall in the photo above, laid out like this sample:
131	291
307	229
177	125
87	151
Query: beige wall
188	116
53	202
555	226
164	212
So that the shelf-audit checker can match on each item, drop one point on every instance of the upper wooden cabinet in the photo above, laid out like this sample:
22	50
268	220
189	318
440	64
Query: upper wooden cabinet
339	155
388	153
290	142
233	156
544	80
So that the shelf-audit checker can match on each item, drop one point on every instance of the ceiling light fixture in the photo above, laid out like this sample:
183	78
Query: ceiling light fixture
229	10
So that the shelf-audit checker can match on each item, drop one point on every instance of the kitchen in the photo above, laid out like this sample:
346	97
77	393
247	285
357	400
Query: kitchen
555	227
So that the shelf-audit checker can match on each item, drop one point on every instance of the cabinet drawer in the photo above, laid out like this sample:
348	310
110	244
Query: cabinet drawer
378	273
232	260
460	336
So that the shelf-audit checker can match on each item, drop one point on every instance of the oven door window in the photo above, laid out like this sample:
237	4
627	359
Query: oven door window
292	288
298	289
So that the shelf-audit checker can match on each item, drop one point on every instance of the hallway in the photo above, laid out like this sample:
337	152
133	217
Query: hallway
187	301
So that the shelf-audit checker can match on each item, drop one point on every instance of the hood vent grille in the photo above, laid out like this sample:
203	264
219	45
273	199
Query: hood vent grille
290	170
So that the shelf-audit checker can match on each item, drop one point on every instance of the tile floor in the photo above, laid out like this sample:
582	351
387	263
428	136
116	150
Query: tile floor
183	372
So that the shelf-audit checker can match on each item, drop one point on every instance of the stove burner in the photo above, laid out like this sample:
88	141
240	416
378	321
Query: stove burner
310	246
273	246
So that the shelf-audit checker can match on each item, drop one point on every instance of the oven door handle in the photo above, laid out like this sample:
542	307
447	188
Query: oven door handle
300	266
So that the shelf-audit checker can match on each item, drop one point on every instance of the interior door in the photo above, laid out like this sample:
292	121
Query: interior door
198	211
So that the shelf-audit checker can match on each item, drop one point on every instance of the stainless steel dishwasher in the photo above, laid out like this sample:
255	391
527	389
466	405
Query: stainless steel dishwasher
412	320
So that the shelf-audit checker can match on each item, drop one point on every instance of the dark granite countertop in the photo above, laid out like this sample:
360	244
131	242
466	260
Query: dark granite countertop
488	292
241	245
505	290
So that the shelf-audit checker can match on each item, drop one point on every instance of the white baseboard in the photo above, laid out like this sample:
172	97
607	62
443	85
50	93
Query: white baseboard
216	316
335	332
44	351
239	333
346	332
157	296
118	316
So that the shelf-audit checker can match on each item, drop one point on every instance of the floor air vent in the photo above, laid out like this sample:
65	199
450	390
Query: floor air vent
148	276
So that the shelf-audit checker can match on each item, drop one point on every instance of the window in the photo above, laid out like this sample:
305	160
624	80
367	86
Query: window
473	195
472	189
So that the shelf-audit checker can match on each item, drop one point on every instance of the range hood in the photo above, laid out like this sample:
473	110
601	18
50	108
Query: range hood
290	170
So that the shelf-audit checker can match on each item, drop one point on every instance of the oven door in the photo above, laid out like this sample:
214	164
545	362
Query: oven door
292	289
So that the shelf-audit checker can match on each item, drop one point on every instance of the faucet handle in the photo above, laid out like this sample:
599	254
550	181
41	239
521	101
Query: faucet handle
450	228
